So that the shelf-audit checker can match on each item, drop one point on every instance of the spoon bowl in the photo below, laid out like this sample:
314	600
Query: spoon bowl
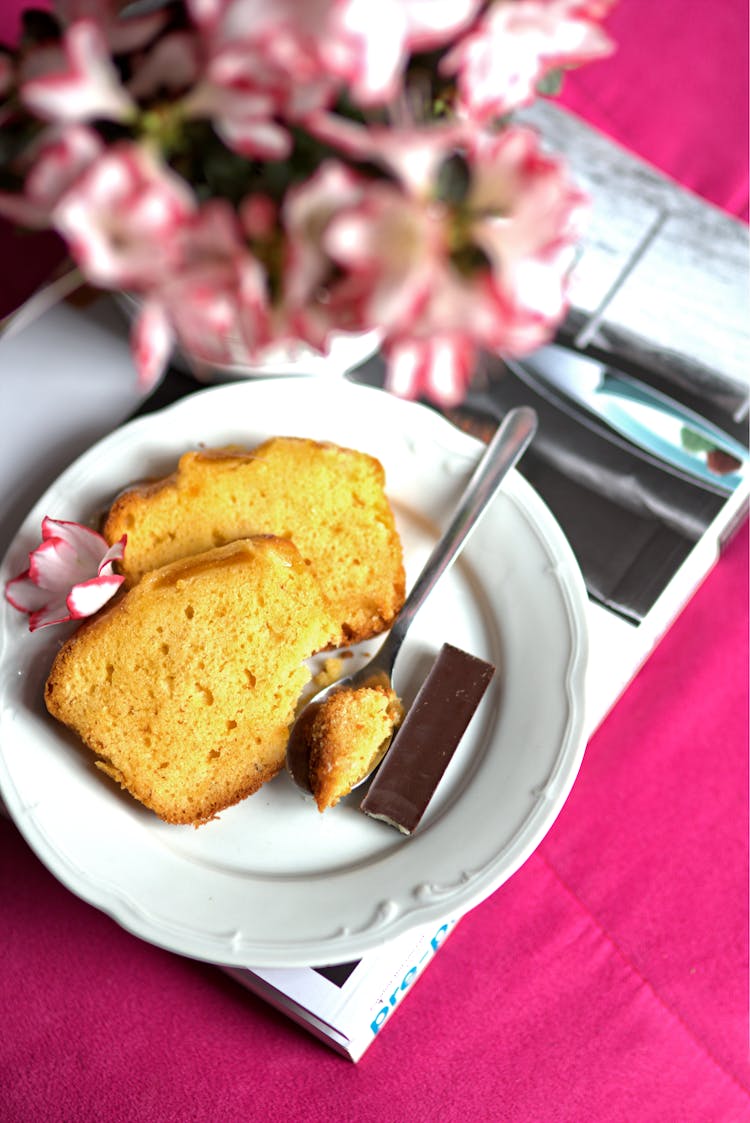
506	447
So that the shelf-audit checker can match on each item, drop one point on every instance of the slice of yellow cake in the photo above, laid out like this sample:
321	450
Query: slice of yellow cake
185	686
330	501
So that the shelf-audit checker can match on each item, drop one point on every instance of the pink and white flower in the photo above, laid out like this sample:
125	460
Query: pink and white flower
516	42
525	215
264	69
70	575
398	246
76	81
413	154
122	33
243	115
308	42
369	49
122	218
307	212
443	277
219	312
253	85
444	236
214	303
314	302
172	63
55	161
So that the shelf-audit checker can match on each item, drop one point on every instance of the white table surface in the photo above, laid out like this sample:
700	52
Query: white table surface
65	381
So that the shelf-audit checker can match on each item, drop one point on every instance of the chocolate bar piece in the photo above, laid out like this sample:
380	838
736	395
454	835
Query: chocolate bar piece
432	729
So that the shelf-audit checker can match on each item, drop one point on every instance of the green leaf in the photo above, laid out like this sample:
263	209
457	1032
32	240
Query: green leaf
550	84
693	441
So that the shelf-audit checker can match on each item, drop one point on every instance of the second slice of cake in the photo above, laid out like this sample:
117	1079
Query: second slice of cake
330	501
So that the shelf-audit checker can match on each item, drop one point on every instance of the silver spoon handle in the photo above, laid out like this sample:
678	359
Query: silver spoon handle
505	448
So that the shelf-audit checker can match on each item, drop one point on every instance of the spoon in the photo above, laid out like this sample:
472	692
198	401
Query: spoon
505	448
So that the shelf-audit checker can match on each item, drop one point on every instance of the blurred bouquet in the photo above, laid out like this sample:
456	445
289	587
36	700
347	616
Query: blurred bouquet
257	172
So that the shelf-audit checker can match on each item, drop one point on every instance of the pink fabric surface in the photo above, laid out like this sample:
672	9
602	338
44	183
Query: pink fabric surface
676	92
607	980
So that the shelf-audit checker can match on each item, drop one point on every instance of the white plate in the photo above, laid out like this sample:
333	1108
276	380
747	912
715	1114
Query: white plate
272	882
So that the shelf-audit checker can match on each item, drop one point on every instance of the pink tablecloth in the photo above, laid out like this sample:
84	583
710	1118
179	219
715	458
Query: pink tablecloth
607	980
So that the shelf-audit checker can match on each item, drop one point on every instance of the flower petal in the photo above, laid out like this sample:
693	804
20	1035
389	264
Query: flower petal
449	370
413	154
307	210
500	61
130	33
113	554
54	566
124	33
56	612
123	216
430	21
87	597
439	368
78	82
87	543
370	51
54	160
404	368
252	137
24	593
152	341
171	64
